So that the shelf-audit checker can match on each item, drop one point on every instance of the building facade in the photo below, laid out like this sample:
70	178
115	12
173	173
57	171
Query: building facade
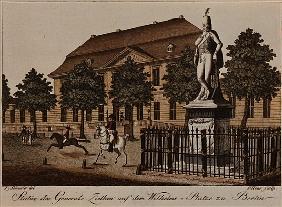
153	46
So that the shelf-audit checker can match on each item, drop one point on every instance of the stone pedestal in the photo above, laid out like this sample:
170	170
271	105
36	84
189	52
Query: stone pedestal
208	117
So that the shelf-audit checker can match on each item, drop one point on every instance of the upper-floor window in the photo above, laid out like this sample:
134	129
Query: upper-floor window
75	115
251	107
63	114
44	116
22	115
156	76
172	110
157	112
266	108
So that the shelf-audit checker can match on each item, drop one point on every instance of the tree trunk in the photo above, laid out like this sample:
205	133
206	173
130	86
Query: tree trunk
34	124
131	122
82	135
246	115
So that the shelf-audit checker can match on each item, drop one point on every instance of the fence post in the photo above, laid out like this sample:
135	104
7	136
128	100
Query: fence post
245	155
143	144
160	146
260	152
204	152
169	154
273	150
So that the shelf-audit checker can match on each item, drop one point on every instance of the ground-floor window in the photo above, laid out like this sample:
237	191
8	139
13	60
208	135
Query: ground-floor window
157	112
251	107
128	112
89	115
13	116
22	115
140	113
172	110
232	100
63	114
75	115
101	113
44	116
266	108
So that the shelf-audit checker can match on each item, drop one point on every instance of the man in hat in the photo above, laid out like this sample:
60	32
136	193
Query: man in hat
66	135
112	129
208	48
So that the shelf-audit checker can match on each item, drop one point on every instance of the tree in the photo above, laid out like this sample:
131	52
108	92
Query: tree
181	80
34	94
5	94
130	86
82	89
249	74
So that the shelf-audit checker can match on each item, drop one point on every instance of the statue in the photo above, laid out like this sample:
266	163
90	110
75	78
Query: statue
209	60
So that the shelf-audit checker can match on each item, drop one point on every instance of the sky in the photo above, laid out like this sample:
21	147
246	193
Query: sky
40	35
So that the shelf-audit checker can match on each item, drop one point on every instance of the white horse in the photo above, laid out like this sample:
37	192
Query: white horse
105	140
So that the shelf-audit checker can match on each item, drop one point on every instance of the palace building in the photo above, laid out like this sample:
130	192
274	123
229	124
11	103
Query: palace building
153	46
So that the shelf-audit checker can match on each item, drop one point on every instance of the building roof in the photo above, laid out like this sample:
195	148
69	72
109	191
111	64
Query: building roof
151	39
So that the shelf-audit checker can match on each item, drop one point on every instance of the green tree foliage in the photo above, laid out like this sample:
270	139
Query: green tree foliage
249	74
130	86
34	94
82	89
181	83
5	94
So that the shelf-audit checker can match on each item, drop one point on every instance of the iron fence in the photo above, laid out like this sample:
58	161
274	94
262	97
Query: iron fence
230	153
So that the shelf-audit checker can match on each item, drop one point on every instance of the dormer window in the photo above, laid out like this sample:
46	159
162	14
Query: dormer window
170	47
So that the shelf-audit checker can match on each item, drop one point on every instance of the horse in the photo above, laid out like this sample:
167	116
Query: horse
105	140
60	142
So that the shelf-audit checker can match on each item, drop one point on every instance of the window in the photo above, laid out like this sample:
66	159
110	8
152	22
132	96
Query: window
3	117
101	113
128	113
266	108
172	111
44	116
22	115
89	115
156	110
156	77
75	115
232	100
140	111
13	115
31	116
63	114
116	112
251	108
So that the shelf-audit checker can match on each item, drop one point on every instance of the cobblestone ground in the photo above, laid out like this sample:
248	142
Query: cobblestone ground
23	165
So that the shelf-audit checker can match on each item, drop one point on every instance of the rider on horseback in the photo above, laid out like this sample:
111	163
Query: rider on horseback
112	129
66	135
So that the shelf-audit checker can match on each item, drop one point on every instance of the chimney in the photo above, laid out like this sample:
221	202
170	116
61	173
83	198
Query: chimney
92	36
118	30
155	22
181	17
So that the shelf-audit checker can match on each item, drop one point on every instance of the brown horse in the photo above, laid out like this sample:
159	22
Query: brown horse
60	142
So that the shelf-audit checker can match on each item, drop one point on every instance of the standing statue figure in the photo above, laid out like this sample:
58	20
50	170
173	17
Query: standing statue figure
209	60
